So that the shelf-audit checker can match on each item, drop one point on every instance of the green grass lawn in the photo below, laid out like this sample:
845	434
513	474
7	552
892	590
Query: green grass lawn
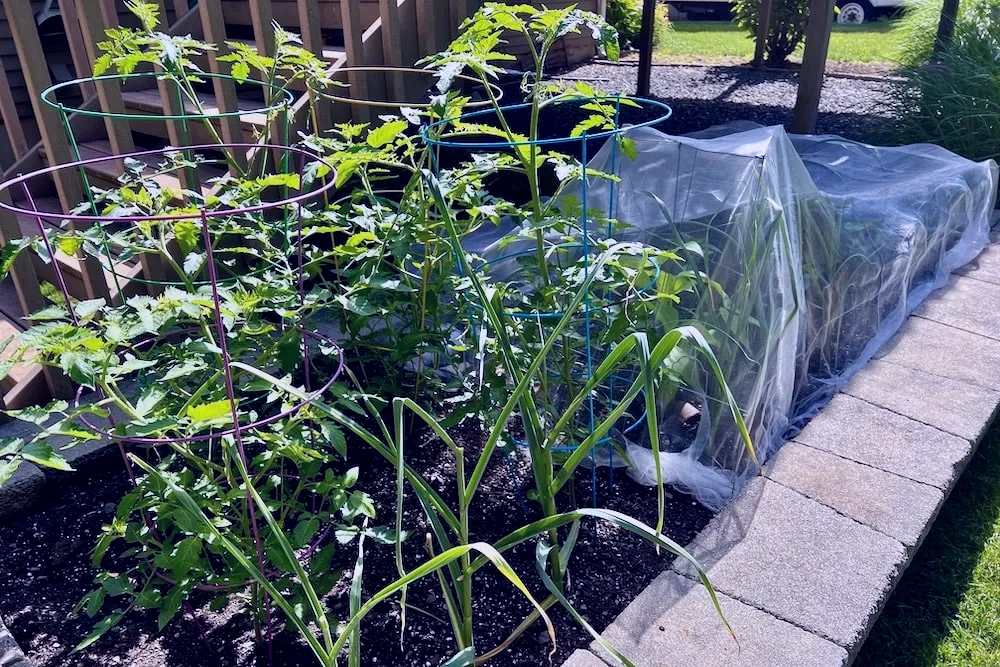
946	610
712	41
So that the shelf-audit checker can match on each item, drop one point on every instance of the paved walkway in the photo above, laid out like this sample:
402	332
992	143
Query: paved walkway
807	555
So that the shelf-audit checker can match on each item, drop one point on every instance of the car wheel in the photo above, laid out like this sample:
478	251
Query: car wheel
854	12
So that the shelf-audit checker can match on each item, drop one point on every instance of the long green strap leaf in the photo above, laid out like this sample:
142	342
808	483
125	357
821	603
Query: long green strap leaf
436	563
240	557
541	559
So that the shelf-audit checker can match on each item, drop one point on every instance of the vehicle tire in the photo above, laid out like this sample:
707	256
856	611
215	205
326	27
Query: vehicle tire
854	12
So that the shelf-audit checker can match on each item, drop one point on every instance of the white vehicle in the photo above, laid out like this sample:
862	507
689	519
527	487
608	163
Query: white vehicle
849	11
859	11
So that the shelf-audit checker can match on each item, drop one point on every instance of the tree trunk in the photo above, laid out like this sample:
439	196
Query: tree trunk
646	47
946	26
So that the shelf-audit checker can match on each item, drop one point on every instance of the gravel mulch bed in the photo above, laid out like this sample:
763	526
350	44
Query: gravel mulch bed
702	96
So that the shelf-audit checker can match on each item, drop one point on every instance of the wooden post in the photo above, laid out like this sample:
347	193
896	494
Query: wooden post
262	17
230	127
312	39
646	47
109	93
460	10
29	293
427	27
77	48
392	49
22	271
181	7
763	27
409	37
11	119
36	77
813	66
361	84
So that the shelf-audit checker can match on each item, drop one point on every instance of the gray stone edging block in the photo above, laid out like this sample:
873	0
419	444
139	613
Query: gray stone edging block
10	653
986	267
673	622
952	406
932	347
581	658
965	303
860	431
893	505
788	555
21	491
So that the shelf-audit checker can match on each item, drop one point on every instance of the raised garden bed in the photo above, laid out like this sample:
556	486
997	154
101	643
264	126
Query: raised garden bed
399	370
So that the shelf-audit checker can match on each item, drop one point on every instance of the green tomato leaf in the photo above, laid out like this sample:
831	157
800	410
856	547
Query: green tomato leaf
304	531
186	233
42	454
184	557
629	147
8	468
216	411
464	658
171	605
100	628
333	435
386	133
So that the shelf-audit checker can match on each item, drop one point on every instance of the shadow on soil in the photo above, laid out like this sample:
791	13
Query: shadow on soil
920	613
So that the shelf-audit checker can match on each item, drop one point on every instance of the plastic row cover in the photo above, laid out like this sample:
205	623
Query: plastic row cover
817	249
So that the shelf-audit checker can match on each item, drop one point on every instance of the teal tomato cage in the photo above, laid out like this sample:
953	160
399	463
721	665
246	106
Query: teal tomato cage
573	363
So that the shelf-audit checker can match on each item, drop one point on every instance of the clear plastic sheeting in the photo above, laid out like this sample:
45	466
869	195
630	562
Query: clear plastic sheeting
815	248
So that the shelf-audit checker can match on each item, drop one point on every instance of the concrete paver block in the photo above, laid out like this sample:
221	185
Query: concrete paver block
986	267
938	349
673	622
800	561
857	430
21	491
10	653
966	303
959	408
894	505
581	658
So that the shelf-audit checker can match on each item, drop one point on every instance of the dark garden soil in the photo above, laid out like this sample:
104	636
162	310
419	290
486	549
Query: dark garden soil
45	563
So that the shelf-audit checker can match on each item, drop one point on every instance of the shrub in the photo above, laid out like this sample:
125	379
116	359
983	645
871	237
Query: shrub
919	25
954	102
788	26
626	17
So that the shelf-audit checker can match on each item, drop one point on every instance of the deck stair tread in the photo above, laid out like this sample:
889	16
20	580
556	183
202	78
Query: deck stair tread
149	102
108	171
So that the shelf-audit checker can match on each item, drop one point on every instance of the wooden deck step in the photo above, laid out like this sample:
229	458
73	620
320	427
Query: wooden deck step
72	271
286	13
106	173
149	102
21	371
29	223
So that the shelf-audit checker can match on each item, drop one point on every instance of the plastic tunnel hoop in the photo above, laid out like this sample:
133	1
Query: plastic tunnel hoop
427	131
287	412
48	98
381	104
